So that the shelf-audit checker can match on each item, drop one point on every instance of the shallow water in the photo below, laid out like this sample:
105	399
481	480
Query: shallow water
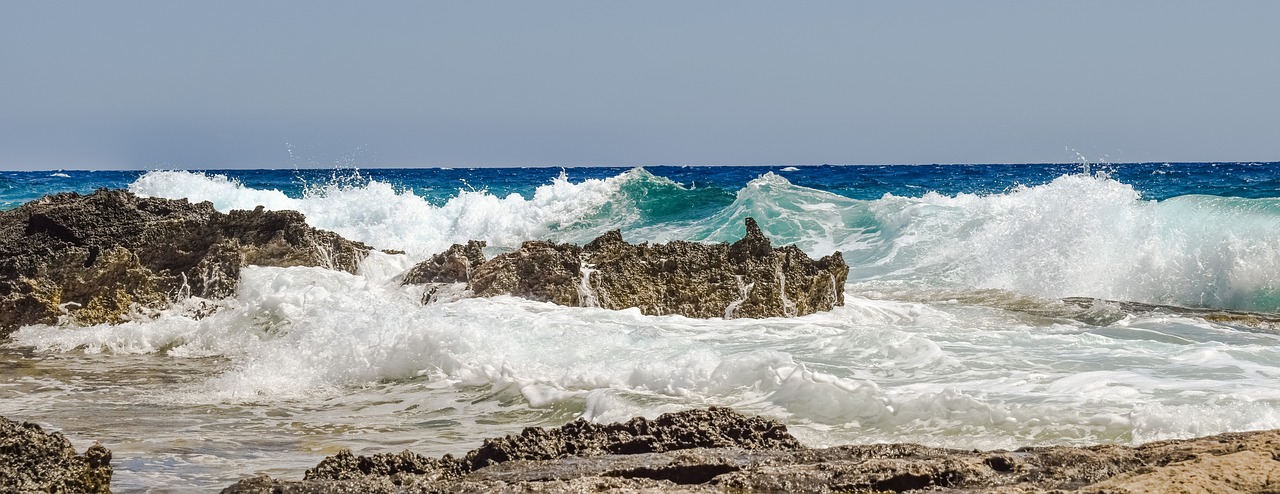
953	333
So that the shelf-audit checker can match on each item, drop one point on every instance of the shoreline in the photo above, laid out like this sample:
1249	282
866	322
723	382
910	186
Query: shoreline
286	241
711	450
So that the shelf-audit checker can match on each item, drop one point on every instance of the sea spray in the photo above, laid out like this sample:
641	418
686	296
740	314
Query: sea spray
953	333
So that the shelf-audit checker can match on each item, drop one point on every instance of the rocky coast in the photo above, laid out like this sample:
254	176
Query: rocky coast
720	450
111	257
707	450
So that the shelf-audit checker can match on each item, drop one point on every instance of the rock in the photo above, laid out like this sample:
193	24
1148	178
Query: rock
683	457
749	278
98	258
538	270
33	460
709	428
451	266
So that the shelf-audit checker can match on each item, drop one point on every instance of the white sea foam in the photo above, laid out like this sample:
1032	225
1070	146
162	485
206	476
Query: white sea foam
1082	235
893	367
376	213
950	335
1079	235
873	369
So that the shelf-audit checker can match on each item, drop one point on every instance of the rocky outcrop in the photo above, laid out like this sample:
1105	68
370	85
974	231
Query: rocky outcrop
709	428
32	460
718	450
451	266
749	278
98	258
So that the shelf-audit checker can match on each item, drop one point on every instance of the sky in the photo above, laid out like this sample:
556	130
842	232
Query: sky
284	84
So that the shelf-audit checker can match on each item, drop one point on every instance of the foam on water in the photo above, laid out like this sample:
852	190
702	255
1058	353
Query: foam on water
1078	235
1083	235
874	369
951	334
381	215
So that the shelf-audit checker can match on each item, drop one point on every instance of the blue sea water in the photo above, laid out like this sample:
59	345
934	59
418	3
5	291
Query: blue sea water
988	306
1155	181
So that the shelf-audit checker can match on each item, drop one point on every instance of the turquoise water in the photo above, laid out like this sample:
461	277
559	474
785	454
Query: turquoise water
954	332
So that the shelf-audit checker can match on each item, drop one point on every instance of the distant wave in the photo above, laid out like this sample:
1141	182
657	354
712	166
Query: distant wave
1078	235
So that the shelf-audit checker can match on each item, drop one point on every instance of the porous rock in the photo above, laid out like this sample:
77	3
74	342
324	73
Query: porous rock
706	428
97	258
1246	462
451	266
538	270
749	278
32	460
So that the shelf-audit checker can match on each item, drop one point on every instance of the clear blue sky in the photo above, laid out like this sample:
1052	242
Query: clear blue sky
146	84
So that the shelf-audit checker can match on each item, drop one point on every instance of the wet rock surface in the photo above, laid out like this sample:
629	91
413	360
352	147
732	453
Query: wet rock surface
736	453
33	460
100	257
749	278
451	266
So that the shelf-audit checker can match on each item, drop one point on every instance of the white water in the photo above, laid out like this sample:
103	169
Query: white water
304	361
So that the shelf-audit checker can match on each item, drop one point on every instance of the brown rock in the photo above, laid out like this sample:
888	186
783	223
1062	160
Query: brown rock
98	258
539	270
734	453
749	278
32	460
451	266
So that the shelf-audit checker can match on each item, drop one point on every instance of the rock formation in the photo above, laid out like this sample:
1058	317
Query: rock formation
451	266
710	428
97	258
32	460
718	450
749	278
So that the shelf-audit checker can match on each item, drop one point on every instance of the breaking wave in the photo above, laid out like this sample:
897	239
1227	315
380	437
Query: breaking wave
1080	235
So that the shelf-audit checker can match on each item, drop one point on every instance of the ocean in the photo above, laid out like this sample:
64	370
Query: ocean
987	306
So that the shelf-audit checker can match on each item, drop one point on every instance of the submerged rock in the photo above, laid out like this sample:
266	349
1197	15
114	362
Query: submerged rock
736	453
749	278
98	258
32	460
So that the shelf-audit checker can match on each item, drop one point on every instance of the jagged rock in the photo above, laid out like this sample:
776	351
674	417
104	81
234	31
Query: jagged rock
451	266
681	459
539	270
709	428
749	278
32	460
97	258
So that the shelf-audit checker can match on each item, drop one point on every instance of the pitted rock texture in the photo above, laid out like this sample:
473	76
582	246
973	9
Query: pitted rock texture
1246	462
32	460
749	278
706	428
709	428
451	266
97	258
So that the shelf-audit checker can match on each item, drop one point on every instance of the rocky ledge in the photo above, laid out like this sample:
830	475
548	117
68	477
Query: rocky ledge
719	450
32	460
101	257
749	278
